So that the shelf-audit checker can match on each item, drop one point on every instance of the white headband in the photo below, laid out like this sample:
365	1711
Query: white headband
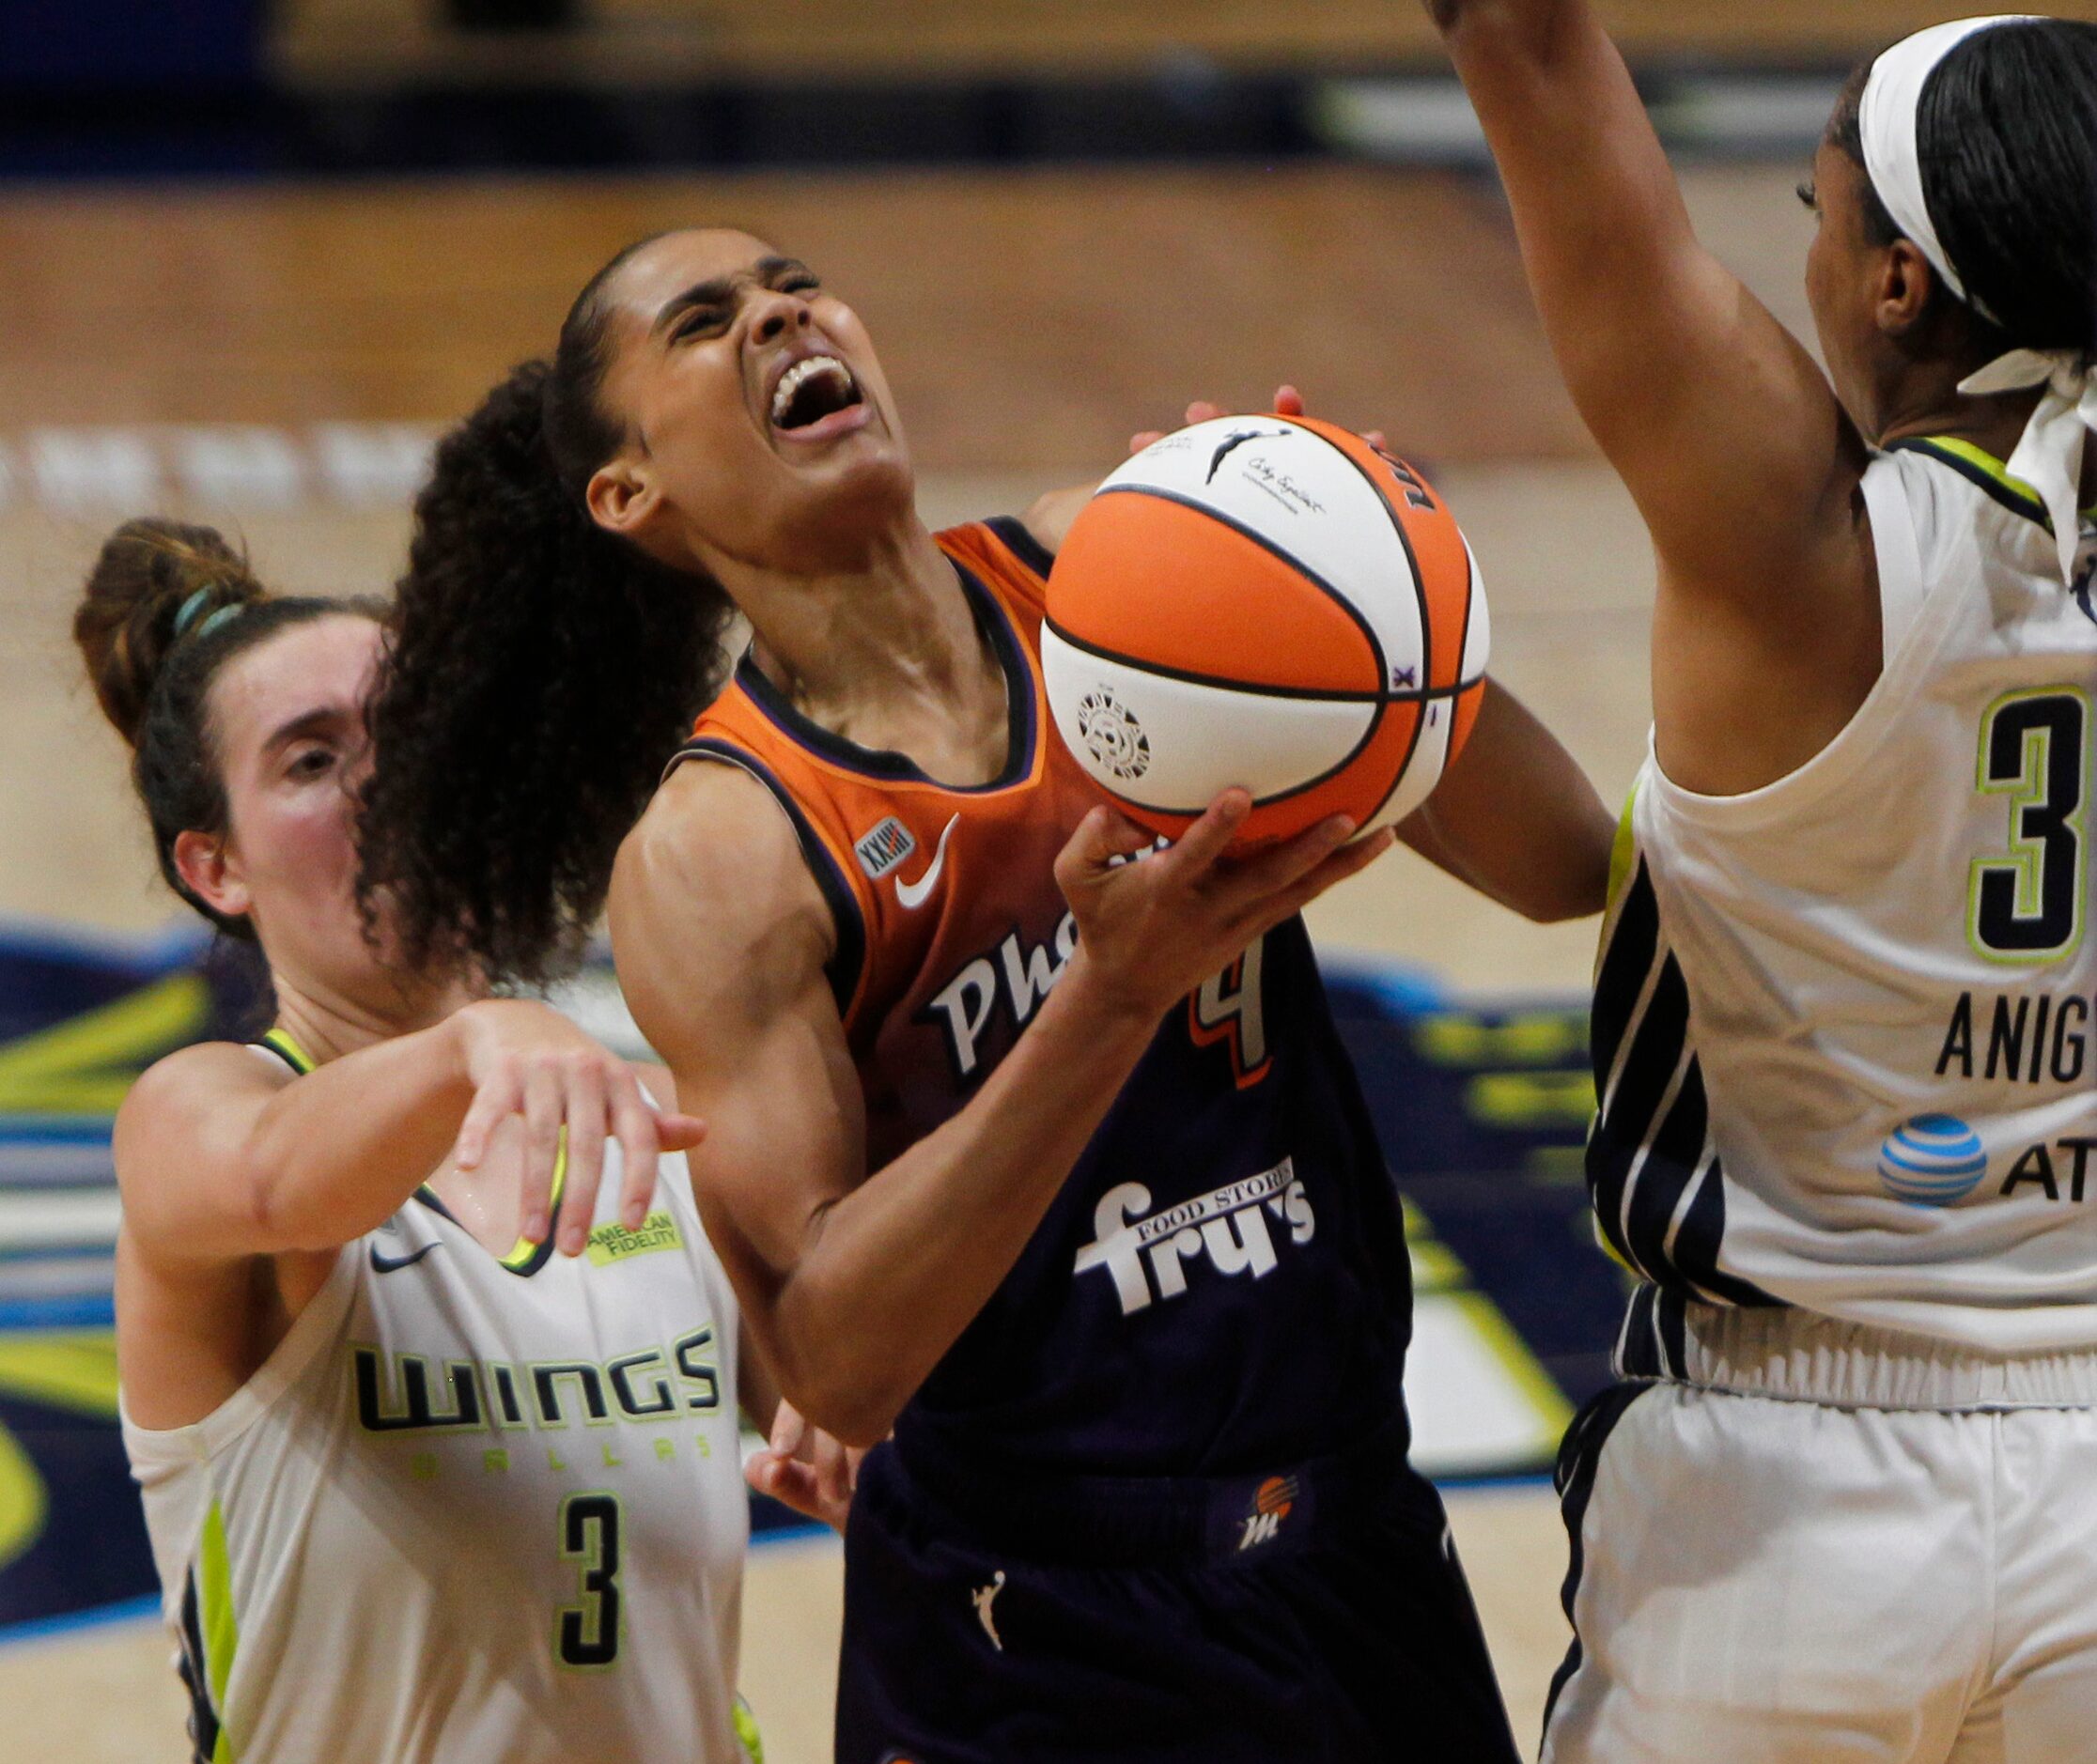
2049	457
1892	157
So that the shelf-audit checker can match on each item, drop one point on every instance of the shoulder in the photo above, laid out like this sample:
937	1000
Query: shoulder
191	1085
711	893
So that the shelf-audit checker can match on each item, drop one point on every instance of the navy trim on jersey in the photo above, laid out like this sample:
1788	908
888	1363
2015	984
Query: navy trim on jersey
1014	536
1580	1459
1997	491
1653	1174
542	1252
1020	723
844	966
189	1668
1653	1341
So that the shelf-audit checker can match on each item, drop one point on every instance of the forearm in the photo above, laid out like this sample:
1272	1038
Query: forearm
336	1154
1518	819
893	1272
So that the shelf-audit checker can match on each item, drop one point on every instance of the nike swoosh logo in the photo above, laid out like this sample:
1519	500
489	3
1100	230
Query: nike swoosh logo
911	895
389	1265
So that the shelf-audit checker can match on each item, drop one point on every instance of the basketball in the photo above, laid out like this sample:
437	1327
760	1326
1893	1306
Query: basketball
1268	602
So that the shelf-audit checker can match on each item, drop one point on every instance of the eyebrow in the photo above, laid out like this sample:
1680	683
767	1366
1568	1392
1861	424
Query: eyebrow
717	290
319	720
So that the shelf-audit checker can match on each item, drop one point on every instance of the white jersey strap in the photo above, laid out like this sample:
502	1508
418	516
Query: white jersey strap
1900	586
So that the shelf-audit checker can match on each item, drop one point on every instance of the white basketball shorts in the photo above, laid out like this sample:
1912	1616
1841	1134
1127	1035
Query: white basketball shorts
1775	1579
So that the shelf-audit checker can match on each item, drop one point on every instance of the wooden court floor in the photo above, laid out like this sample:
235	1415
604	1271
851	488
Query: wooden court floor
1028	322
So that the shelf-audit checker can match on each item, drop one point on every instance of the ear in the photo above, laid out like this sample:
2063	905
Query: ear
1905	283
623	499
211	871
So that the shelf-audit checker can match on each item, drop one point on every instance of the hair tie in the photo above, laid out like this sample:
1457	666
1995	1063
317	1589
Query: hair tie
186	613
1886	118
2050	455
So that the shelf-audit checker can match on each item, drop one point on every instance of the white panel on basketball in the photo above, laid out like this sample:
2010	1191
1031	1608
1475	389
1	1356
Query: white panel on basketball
1173	745
1307	497
1477	640
1430	754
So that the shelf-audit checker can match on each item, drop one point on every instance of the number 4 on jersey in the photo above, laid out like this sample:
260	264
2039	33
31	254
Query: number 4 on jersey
1228	1009
2028	906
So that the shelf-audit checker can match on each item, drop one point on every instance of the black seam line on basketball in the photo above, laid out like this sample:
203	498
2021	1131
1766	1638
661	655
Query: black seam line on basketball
836	887
1310	693
1267	544
1426	622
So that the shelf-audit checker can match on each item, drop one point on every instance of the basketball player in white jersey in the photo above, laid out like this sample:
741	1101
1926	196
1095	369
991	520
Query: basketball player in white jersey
1842	1509
418	1487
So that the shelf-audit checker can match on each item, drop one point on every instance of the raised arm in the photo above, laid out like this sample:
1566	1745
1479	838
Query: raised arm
856	1283
1726	432
1726	435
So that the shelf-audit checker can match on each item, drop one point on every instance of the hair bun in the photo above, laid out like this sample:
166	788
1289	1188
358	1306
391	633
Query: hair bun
132	613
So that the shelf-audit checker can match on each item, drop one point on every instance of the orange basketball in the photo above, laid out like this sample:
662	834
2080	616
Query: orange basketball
1268	602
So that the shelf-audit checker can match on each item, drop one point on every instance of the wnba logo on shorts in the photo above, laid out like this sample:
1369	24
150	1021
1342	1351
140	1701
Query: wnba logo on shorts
1932	1161
1271	1505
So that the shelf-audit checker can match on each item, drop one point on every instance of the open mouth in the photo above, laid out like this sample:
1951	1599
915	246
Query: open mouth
811	390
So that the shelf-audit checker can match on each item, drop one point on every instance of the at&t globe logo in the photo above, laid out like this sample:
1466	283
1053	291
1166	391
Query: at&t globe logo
1933	1161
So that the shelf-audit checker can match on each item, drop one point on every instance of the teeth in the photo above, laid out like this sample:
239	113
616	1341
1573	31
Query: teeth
796	376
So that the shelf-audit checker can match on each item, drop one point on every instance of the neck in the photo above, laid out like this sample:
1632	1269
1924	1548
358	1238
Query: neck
1928	403
896	626
329	1023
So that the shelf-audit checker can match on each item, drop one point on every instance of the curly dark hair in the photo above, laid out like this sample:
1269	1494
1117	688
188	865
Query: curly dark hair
166	607
539	673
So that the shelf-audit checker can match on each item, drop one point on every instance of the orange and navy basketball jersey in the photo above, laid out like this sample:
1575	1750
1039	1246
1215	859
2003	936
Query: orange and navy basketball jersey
1222	1282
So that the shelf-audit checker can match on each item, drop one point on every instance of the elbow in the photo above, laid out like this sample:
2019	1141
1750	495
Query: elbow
850	1409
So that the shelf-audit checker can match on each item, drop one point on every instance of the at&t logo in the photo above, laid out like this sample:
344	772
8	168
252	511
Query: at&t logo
1933	1161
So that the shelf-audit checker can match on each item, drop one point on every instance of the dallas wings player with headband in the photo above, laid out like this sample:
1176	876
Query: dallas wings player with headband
1071	1186
418	1488
1843	1011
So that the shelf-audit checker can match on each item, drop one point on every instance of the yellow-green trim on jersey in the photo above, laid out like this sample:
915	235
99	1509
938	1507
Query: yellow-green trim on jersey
751	1741
222	1634
282	1043
1983	467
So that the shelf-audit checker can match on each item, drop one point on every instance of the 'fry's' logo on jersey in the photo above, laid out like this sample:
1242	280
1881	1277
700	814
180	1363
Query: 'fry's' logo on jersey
886	846
1147	1254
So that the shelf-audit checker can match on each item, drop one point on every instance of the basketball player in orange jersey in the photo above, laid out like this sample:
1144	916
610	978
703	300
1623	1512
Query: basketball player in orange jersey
374	1415
1048	1160
1842	1014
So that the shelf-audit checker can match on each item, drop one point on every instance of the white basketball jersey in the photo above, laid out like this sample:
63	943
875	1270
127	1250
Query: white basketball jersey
1845	1040
471	1508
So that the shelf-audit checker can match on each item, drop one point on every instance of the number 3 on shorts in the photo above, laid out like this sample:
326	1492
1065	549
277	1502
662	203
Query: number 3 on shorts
586	1635
2028	906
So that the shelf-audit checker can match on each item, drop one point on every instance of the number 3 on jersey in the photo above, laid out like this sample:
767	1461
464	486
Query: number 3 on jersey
2028	906
586	1635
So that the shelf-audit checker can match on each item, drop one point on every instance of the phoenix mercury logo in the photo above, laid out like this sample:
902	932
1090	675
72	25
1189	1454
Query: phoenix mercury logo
1112	736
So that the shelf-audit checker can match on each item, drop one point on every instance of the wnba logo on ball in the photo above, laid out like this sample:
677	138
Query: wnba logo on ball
1110	733
1933	1161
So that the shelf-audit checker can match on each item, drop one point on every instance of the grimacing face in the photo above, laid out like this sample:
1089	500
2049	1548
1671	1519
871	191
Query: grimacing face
759	425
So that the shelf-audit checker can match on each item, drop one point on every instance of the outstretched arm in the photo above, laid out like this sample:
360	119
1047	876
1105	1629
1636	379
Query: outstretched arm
1726	435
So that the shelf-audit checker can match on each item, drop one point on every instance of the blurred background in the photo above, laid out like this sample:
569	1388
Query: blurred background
257	255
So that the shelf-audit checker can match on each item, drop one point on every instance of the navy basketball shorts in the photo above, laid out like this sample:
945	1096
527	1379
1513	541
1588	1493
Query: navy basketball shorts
1316	1616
